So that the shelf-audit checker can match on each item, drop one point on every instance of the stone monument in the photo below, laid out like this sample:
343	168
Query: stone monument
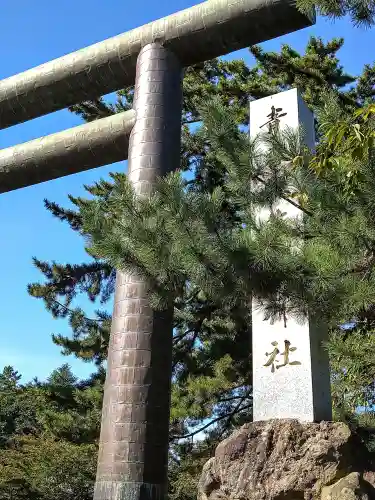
290	365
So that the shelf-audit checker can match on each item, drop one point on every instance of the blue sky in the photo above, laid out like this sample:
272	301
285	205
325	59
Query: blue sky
32	33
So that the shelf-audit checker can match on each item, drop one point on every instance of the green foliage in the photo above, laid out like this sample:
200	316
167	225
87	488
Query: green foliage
345	155
199	245
49	436
233	83
353	365
17	407
345	146
181	236
361	12
50	469
185	468
331	275
318	70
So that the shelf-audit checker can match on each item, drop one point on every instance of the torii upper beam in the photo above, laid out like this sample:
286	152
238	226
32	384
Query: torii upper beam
210	29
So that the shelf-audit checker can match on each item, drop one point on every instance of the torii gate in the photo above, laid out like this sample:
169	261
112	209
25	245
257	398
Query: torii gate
133	456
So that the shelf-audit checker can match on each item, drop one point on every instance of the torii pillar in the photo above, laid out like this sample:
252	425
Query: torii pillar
133	456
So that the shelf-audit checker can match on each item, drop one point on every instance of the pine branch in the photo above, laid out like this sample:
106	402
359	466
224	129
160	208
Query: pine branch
212	422
71	311
285	198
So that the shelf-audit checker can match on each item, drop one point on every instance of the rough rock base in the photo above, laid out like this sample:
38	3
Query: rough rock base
288	460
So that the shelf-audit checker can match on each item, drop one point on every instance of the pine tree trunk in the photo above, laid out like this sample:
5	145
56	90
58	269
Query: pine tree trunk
133	453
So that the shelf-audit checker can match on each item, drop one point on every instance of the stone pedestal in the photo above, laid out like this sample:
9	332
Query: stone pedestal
290	366
288	460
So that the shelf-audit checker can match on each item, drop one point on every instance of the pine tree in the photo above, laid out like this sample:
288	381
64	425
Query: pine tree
332	277
195	247
232	83
212	337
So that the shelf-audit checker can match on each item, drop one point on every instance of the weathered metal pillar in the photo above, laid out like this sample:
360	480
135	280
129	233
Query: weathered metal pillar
133	454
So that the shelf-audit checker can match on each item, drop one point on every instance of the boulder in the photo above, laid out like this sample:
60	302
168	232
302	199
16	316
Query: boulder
350	487
289	460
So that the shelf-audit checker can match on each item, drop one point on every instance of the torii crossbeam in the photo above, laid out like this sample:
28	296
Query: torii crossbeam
133	452
207	30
